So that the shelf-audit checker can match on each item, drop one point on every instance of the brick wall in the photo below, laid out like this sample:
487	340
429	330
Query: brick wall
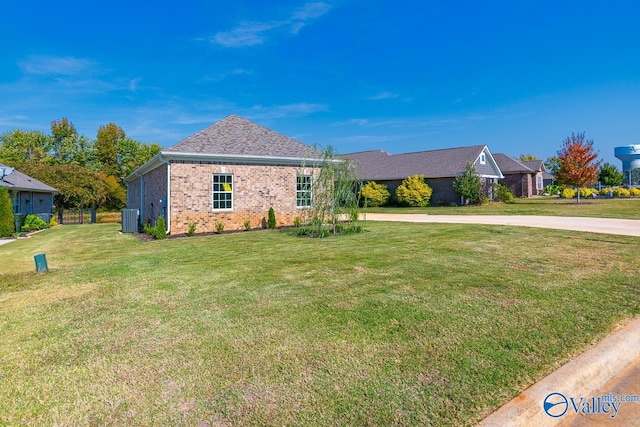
256	188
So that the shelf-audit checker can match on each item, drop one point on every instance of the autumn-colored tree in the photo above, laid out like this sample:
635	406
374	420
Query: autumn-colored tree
576	162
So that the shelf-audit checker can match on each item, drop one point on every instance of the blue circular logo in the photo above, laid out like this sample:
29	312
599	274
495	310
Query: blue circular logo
555	405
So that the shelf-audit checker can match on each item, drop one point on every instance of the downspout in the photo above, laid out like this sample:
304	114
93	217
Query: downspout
168	218
140	211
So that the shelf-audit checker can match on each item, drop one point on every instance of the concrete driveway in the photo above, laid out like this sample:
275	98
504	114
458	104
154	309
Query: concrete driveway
623	227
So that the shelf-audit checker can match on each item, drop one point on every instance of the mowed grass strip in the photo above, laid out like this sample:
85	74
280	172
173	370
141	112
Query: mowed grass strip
405	324
548	206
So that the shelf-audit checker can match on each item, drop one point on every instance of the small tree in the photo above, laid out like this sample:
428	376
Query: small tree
577	165
468	185
610	175
271	218
335	197
7	219
374	194
414	191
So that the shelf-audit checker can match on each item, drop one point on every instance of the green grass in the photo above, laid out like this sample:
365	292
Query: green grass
405	324
603	208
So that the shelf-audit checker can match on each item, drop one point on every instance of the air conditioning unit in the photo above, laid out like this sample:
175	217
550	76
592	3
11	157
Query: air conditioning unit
130	220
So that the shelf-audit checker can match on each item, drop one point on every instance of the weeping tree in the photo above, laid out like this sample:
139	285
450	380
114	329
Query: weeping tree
335	197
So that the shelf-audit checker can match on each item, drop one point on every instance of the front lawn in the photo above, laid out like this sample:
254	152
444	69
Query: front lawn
406	324
554	206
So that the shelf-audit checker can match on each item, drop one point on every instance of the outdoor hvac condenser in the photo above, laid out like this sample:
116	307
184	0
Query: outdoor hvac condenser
129	220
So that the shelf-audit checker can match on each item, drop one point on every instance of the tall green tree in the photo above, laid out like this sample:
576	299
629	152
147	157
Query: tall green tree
468	185
108	141
610	175
528	158
552	164
6	213
70	147
577	162
24	146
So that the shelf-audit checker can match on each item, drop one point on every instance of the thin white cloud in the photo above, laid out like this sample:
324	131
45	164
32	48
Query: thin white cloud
255	32
382	95
55	65
224	75
287	110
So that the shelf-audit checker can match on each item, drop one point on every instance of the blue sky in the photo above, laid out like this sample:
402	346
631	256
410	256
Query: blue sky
519	76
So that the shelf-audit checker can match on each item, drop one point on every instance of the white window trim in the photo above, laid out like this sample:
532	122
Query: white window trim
483	159
213	192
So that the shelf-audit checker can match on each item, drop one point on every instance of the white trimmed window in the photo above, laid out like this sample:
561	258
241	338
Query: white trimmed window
483	159
540	182
222	191
303	191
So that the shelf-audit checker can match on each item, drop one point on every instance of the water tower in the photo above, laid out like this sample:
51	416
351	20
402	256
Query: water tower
630	156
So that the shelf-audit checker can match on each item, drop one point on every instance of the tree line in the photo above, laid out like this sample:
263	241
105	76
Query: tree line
89	173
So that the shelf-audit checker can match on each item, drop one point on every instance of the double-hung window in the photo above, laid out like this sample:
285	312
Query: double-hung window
222	191
303	191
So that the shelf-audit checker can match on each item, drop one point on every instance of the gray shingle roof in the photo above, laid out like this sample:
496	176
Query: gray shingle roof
510	165
535	165
16	180
235	136
444	163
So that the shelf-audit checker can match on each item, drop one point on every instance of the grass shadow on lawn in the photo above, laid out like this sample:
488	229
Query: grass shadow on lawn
407	324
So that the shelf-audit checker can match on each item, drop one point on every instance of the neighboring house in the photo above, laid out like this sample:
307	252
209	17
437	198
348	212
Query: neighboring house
439	167
230	172
548	179
524	179
29	195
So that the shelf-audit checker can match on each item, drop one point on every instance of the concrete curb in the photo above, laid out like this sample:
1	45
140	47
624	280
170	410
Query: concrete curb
579	378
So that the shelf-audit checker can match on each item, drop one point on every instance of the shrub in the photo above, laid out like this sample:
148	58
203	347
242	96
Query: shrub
621	192
374	194
634	192
414	192
501	193
219	227
191	231
160	230
568	193
53	222
606	191
247	225
271	219
551	190
7	219
297	221
588	192
34	222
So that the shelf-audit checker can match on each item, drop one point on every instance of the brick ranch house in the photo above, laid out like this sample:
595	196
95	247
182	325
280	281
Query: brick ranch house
439	167
230	172
524	179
